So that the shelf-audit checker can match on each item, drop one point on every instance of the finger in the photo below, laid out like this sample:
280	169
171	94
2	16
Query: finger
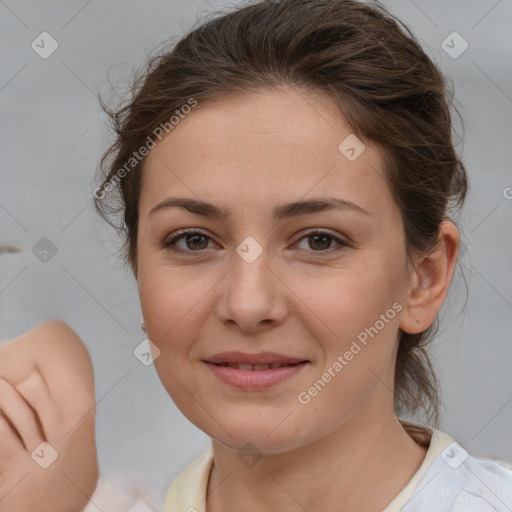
34	390
10	443
21	415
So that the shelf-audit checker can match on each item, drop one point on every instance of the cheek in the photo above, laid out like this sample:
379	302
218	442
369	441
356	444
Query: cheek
346	303
359	313
171	302
174	305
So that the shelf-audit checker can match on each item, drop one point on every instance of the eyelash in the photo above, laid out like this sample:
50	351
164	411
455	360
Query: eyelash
184	232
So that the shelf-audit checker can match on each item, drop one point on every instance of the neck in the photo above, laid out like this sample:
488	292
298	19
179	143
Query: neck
349	470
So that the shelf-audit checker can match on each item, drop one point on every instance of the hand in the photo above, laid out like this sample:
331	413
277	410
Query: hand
47	396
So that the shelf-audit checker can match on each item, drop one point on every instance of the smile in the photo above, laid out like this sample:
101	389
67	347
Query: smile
254	371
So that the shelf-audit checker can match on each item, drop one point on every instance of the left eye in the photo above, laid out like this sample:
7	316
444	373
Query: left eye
322	240
196	241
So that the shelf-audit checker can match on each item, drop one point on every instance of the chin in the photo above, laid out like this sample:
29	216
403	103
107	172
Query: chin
265	437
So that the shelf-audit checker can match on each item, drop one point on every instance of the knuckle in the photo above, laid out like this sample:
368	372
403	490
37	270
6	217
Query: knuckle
5	430
6	389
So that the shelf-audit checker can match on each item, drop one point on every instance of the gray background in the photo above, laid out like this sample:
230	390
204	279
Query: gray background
53	135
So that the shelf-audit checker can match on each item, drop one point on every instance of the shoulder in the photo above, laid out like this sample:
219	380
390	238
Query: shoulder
488	485
188	491
459	482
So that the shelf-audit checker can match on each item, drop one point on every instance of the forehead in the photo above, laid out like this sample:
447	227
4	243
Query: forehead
271	144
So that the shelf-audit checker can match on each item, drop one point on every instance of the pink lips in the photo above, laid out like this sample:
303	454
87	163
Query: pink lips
254	371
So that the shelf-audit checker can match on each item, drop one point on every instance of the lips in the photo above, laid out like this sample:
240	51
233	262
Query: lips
256	372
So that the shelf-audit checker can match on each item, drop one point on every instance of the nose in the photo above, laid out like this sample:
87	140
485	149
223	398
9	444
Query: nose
252	295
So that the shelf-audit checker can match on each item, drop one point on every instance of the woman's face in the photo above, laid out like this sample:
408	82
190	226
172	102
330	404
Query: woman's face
250	282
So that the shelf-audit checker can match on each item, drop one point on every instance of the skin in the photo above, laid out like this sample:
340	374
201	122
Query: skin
36	407
249	155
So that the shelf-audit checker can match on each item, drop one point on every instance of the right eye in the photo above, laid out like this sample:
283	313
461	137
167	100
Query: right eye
194	241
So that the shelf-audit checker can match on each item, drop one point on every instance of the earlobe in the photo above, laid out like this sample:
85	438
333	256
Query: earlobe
430	281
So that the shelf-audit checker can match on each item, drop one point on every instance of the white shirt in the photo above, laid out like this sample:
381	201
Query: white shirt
448	480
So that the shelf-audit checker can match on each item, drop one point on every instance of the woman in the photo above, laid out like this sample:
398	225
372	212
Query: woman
286	176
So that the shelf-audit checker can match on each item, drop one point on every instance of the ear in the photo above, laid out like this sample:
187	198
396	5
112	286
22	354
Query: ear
430	281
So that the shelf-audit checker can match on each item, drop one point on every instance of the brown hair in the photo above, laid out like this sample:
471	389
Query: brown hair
388	89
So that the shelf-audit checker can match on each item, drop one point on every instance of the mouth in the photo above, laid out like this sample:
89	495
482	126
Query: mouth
254	371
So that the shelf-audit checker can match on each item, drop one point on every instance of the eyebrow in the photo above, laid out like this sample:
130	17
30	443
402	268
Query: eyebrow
280	212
